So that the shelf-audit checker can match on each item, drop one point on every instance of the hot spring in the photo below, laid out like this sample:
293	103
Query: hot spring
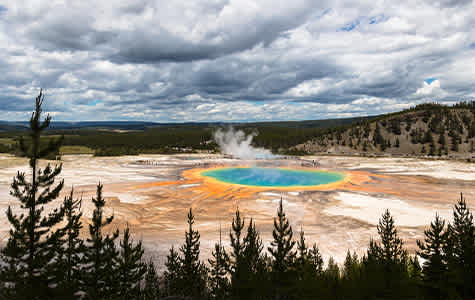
273	177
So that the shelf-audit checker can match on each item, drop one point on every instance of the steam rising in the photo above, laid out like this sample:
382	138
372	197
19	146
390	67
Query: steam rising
237	144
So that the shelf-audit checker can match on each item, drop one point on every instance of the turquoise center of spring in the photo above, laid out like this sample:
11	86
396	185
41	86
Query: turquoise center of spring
273	177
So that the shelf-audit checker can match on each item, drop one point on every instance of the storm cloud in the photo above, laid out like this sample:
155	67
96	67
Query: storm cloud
233	60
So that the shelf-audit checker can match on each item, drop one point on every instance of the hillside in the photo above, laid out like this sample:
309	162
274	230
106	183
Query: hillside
425	130
119	138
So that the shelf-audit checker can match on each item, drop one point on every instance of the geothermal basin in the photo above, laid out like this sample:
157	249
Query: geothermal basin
273	177
153	193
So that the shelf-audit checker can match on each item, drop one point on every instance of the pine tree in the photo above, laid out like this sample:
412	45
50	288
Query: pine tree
377	137
333	271
415	270
351	267
130	267
32	249
237	267
151	289
308	267
192	270
316	260
253	269
73	249
432	149
434	270
100	269
172	274
332	278
441	140
281	251
461	250
252	253
302	251
391	255
392	251
218	280
351	275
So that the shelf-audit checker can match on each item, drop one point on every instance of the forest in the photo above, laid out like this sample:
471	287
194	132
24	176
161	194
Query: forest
46	258
428	129
113	139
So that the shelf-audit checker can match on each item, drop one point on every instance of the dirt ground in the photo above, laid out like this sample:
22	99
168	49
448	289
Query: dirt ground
153	193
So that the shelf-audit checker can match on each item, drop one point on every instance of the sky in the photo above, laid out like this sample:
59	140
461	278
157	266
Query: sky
233	60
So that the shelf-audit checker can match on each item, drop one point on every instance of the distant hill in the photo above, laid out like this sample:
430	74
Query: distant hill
427	129
118	125
138	125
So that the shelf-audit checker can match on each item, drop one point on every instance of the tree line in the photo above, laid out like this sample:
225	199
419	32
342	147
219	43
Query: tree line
45	257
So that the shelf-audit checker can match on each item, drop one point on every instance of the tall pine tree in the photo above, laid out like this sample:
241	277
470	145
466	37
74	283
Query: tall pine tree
282	253
192	271
461	250
392	257
172	274
32	248
99	266
219	266
72	249
237	267
434	268
130	267
151	289
254	273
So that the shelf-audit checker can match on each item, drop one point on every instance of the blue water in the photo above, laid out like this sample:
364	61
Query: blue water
276	177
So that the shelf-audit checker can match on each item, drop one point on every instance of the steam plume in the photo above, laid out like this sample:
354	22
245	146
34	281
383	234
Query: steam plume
237	144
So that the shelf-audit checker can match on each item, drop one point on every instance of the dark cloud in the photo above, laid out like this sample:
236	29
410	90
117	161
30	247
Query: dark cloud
452	3
69	32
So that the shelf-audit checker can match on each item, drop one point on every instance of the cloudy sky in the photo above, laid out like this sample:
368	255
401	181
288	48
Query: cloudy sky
233	60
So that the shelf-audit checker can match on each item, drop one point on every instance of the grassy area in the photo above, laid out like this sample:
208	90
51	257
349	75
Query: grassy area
7	141
75	150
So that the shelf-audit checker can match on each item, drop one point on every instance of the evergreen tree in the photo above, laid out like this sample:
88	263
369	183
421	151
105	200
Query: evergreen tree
390	258
308	266
441	140
302	251
434	272
72	249
172	274
391	250
351	276
316	260
99	267
332	278
281	251
252	254
237	262
192	270
151	289
333	271
254	269
461	250
432	149
30	256
218	280
378	138
415	270
351	268
130	267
